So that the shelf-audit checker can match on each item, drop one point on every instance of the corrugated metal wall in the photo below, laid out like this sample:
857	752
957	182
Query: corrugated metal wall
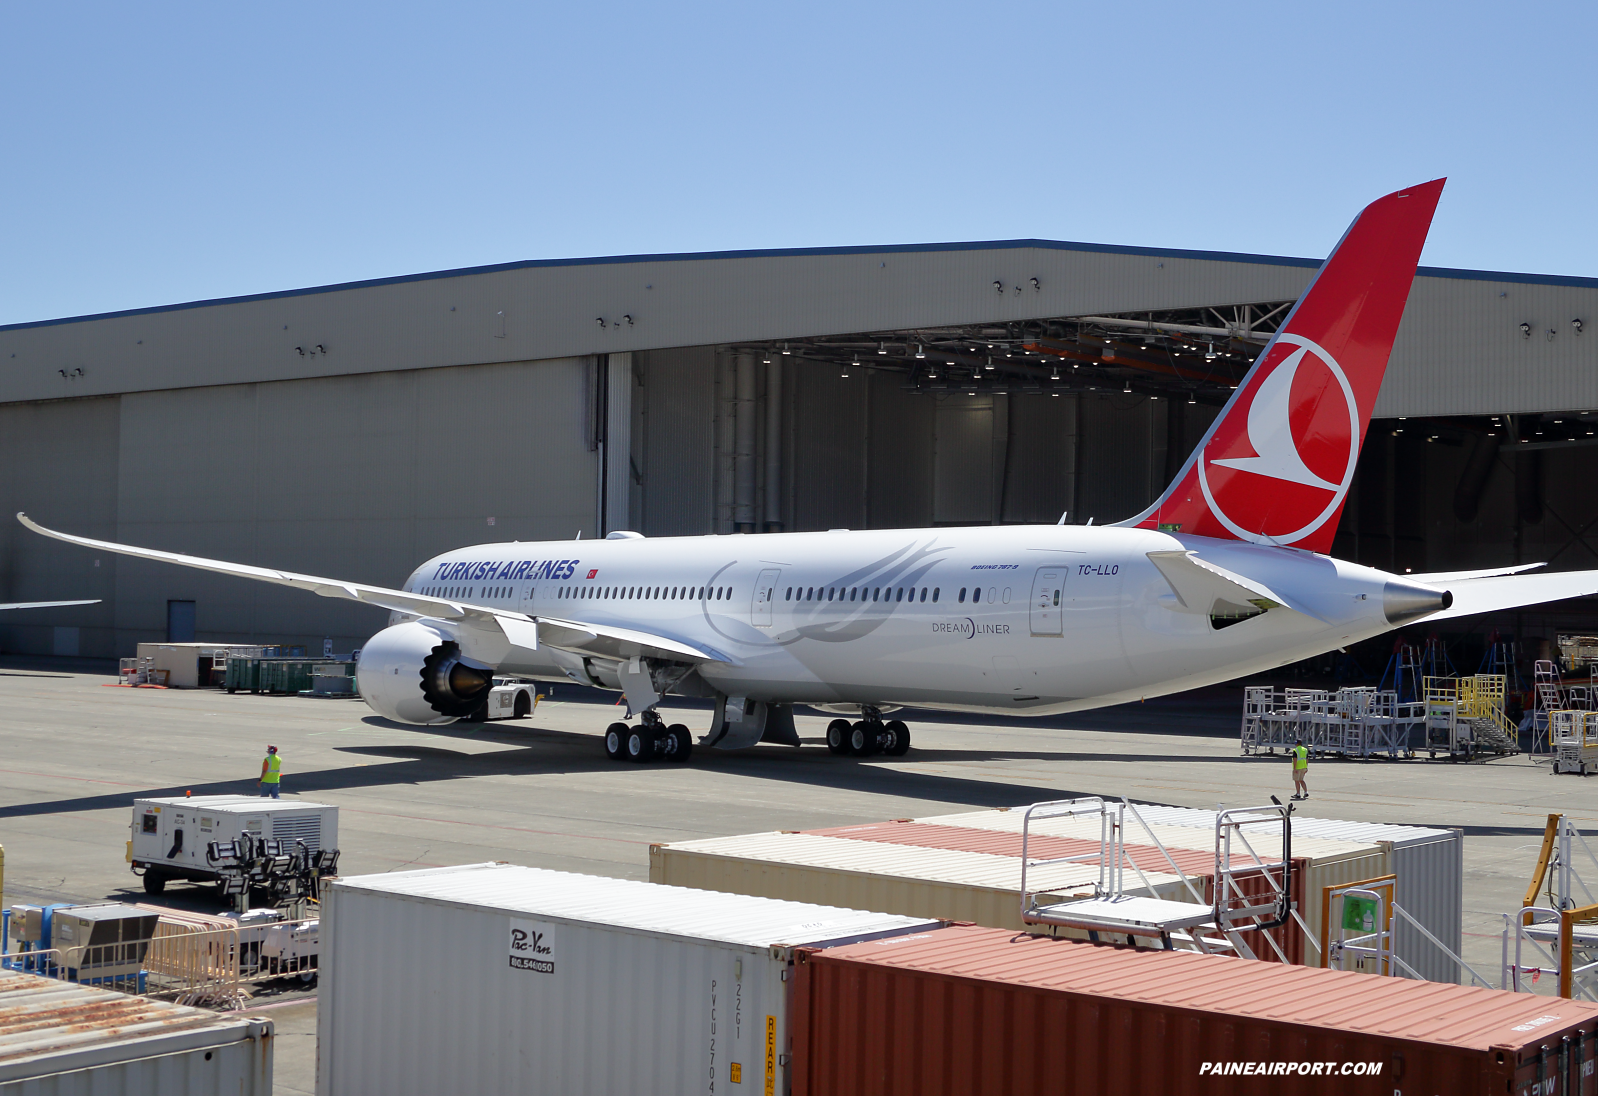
1431	889
352	477
676	409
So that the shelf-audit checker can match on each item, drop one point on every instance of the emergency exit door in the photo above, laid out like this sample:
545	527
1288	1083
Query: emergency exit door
1048	589
765	592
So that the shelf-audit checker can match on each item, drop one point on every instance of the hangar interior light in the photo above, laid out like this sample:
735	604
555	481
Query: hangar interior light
1199	353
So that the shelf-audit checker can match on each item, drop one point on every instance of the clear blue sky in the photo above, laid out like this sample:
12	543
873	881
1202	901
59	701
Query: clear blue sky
168	152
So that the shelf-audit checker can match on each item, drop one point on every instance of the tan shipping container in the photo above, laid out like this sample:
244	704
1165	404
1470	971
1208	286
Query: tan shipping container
944	867
908	880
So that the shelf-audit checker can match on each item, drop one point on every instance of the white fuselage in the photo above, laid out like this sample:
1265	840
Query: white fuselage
958	619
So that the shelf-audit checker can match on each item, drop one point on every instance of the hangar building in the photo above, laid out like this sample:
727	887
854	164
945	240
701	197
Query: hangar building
354	430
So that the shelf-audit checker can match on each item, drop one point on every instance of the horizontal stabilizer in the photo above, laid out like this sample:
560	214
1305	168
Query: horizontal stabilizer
1443	577
44	604
1484	595
1200	586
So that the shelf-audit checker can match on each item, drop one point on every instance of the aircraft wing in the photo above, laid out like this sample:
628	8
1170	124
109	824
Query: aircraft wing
43	604
1484	595
497	626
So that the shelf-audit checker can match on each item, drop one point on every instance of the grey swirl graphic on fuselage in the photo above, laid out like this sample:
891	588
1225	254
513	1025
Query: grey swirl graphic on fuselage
843	620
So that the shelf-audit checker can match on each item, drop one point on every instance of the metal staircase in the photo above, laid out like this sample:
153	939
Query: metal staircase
1213	926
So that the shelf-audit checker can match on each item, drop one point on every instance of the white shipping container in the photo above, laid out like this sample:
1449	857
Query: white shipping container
493	980
62	1039
1429	862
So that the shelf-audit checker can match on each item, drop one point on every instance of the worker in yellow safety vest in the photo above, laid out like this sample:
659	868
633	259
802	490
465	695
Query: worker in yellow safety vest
1300	756
271	773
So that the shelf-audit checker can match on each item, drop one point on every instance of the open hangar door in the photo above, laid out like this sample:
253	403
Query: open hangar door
975	424
1464	492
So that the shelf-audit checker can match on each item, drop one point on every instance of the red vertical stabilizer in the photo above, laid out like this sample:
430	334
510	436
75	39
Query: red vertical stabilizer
1277	464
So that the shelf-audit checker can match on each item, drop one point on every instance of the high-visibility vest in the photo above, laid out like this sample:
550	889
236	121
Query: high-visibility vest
1300	757
274	765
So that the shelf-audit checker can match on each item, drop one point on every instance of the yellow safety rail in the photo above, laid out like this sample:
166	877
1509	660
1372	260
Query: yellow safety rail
1567	924
1481	696
1550	835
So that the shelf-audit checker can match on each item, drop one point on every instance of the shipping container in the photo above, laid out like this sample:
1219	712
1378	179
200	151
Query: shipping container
973	1011
1326	861
966	867
62	1039
1429	862
916	881
493	980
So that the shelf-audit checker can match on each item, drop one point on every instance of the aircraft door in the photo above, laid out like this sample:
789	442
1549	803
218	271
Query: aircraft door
1048	589
765	593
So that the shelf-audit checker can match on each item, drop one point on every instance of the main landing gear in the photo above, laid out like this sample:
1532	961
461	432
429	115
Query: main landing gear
651	740
869	736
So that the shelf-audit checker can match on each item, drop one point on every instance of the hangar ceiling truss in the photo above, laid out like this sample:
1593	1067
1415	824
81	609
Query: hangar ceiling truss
1195	353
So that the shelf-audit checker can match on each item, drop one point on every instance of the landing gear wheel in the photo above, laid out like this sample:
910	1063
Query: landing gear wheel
641	744
154	882
898	738
679	743
838	736
864	738
616	741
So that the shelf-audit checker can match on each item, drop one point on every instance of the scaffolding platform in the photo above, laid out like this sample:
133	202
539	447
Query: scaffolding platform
1134	915
1357	722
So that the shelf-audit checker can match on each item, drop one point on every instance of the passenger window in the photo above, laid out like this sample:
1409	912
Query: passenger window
992	593
936	590
810	593
923	593
830	592
976	595
901	594
790	594
876	594
852	592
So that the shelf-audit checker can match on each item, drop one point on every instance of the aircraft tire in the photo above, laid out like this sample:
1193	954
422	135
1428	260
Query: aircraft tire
838	736
864	738
616	741
898	738
641	745
679	743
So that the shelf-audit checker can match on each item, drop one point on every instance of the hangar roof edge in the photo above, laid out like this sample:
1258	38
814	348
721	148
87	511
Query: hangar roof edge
794	252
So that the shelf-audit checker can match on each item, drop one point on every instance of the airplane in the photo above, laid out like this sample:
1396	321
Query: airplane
1225	575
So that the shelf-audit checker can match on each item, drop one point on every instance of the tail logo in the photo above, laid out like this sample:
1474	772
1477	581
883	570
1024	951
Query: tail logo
1281	474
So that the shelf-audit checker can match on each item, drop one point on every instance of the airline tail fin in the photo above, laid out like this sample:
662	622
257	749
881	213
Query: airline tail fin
1276	465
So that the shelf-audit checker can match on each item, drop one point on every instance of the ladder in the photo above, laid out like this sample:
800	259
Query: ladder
1403	668
1214	926
1550	693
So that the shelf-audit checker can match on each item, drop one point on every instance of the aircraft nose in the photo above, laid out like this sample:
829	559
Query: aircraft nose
1404	601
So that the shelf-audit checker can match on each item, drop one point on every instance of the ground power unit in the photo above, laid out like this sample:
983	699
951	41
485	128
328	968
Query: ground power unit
198	838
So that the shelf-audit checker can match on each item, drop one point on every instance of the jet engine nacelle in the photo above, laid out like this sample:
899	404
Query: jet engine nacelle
415	673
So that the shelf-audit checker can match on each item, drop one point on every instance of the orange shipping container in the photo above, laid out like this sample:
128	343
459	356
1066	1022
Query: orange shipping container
974	1011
